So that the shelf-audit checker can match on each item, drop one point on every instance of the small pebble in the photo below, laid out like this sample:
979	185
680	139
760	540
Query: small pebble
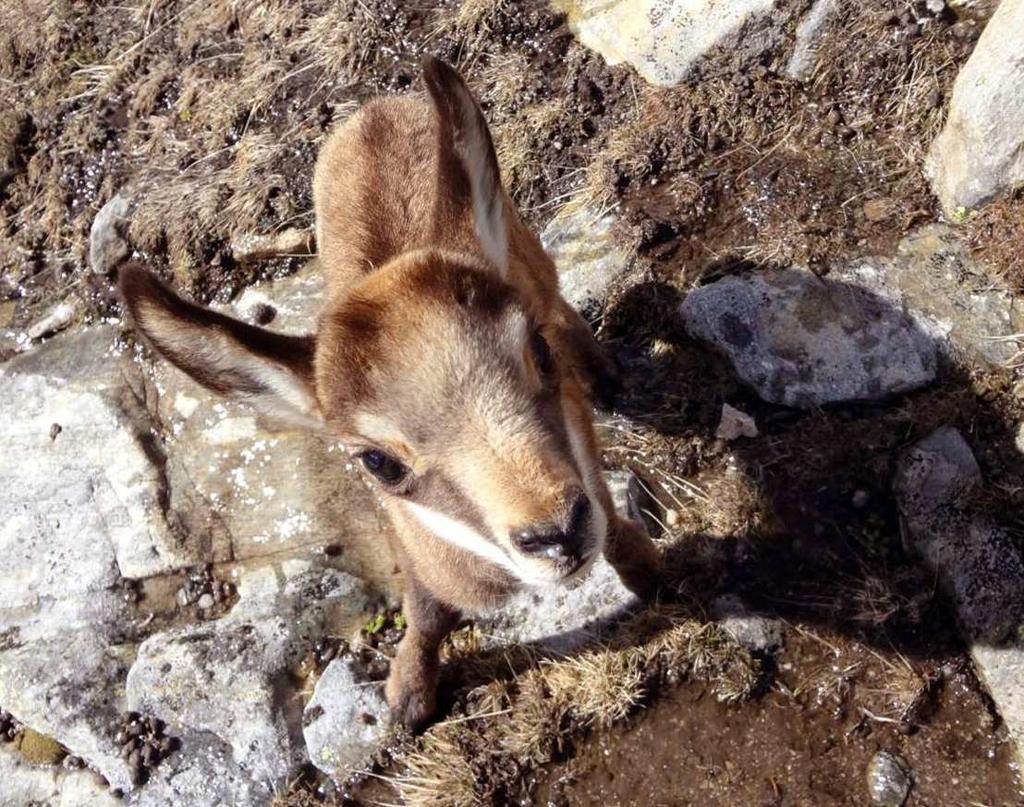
206	602
55	429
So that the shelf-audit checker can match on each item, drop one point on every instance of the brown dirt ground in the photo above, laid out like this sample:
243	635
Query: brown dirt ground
209	116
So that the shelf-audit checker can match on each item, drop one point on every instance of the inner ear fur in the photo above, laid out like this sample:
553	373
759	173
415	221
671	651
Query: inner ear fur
272	371
467	153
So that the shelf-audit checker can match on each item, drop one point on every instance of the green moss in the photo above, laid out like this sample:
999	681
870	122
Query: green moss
39	749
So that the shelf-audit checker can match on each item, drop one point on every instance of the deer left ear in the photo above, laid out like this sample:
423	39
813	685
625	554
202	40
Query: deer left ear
271	371
465	139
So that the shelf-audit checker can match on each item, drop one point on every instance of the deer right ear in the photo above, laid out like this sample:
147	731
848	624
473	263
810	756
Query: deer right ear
271	371
466	145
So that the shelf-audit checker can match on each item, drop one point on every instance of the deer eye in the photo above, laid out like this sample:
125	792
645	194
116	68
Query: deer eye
387	469
542	355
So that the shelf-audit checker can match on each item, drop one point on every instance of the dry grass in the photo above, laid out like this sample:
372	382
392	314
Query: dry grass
525	720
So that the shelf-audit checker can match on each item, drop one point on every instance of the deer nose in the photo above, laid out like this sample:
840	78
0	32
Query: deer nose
557	540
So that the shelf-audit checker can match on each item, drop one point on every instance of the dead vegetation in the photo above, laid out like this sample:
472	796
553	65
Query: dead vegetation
529	706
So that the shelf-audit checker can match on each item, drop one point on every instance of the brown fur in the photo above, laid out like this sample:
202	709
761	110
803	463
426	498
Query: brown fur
425	353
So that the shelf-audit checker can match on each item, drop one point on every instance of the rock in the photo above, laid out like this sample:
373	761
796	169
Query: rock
661	39
735	424
78	510
876	210
809	32
202	774
25	784
58	319
588	259
248	489
980	151
107	244
949	296
976	560
935	7
756	633
38	749
889	780
803	341
291	242
223	678
345	720
560	618
68	687
1001	669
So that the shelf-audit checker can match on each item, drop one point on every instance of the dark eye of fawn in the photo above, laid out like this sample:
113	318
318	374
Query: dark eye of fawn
385	468
542	354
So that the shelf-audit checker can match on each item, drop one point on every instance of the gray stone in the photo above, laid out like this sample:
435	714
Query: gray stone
563	618
107	244
69	687
57	319
25	784
949	296
78	510
588	260
202	773
976	560
804	341
804	60
344	721
757	633
889	780
1001	669
290	242
661	39
224	677
980	151
735	424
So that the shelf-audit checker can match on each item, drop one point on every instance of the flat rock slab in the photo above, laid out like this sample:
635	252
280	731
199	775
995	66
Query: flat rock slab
661	39
804	341
980	151
976	561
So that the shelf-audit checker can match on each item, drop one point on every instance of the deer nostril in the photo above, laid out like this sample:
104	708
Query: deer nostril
537	540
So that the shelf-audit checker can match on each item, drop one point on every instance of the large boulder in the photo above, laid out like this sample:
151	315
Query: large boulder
662	39
804	341
980	151
871	328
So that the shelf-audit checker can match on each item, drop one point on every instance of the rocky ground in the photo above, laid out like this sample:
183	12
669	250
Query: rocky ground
797	226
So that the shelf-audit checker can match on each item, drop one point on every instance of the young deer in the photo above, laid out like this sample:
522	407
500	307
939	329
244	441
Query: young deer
445	360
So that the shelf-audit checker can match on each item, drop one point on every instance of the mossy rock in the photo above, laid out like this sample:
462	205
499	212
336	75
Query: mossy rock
39	749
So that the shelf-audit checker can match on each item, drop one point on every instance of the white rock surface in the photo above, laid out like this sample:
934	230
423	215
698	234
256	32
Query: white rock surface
84	506
980	151
661	39
804	58
225	677
560	618
24	784
588	260
344	721
107	245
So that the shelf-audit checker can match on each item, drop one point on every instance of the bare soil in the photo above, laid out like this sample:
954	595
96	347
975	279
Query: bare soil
208	116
